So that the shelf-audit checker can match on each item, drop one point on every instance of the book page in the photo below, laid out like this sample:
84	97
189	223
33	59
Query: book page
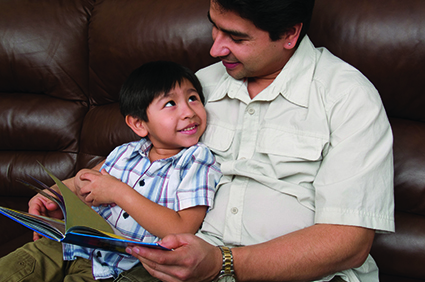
51	228
77	212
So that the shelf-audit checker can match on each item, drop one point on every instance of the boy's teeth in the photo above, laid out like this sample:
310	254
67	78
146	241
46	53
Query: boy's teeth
190	128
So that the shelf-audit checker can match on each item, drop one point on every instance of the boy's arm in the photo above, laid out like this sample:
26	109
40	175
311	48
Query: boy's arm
40	205
158	220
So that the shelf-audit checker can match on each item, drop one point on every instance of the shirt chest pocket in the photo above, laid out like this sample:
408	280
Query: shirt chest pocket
219	139
290	145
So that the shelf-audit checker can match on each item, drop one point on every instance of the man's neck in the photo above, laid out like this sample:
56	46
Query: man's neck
255	86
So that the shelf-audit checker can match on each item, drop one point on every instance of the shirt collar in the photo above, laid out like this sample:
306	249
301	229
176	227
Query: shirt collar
143	147
293	82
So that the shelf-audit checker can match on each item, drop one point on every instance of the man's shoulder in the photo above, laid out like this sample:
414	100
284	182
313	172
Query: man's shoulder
332	71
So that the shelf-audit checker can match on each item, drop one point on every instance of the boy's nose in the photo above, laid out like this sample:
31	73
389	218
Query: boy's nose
187	112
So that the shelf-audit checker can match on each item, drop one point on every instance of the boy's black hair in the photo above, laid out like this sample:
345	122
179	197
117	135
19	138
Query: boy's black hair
151	80
274	16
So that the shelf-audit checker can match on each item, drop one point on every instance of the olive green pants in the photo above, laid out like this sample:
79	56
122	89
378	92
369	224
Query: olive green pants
41	261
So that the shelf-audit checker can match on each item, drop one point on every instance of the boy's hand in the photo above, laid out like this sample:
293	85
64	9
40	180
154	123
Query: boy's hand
80	182
40	205
98	188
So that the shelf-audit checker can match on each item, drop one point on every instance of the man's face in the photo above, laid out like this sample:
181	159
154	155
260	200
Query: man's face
245	50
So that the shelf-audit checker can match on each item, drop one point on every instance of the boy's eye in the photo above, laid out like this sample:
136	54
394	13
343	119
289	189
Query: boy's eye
170	104
193	98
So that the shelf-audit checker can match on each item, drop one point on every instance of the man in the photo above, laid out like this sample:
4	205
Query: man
306	152
305	149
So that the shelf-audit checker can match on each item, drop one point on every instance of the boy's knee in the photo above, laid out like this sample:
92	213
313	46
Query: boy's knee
35	261
17	266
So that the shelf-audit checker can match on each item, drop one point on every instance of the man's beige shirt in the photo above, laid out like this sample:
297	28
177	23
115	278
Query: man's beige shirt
315	146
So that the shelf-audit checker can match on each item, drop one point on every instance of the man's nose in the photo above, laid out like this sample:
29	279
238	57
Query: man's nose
219	48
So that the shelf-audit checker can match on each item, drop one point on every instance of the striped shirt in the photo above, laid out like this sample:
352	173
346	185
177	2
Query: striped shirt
184	180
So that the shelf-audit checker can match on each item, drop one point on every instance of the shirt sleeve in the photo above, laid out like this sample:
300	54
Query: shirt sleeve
354	185
199	175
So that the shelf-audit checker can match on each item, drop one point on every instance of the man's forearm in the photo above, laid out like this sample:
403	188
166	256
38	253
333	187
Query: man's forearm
304	255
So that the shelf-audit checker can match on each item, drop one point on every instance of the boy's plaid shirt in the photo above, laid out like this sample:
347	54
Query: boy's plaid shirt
185	180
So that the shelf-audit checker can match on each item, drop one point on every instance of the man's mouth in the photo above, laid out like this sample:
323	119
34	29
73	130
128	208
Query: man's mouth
230	65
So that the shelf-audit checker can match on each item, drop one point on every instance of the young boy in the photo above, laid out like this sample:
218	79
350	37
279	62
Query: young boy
163	184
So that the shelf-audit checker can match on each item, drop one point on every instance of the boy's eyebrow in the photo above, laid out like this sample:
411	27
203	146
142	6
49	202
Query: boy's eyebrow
228	31
166	95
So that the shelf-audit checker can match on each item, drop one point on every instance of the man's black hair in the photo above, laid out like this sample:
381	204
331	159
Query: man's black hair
152	80
274	16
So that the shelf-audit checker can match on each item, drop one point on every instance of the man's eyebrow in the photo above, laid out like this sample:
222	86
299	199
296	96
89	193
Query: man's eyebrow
228	31
209	18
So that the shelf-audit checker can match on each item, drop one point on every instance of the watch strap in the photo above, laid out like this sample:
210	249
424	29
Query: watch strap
227	266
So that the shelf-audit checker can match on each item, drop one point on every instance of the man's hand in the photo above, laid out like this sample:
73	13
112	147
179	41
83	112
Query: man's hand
192	259
40	205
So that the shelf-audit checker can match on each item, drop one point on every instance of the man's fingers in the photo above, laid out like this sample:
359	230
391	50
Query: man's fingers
36	236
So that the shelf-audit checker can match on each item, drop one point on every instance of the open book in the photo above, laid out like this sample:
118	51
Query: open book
81	225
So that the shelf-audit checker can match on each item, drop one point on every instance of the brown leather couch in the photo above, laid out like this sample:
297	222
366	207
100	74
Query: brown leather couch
62	64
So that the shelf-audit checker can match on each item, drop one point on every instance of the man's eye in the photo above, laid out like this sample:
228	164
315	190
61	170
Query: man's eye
236	40
170	104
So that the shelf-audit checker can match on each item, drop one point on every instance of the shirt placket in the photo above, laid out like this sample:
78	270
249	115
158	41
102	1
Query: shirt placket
234	214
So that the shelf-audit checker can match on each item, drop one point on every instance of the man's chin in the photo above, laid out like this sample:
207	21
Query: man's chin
238	75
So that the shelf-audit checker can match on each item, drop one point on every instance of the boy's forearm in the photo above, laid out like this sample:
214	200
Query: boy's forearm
157	219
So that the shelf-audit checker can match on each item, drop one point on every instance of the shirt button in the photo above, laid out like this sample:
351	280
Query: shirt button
142	182
234	210
251	111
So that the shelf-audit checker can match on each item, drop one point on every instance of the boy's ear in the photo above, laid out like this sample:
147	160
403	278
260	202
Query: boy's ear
137	125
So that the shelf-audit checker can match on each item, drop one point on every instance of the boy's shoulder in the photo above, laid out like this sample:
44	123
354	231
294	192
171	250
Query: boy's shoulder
128	149
199	147
199	151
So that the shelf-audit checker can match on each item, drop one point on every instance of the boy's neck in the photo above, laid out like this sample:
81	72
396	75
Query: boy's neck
158	154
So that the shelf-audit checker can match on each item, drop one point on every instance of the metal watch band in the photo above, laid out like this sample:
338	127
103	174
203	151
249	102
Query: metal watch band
227	267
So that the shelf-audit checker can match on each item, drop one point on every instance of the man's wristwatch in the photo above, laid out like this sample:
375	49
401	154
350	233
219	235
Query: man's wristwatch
227	273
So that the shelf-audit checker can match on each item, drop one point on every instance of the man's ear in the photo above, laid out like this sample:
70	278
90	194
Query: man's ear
137	125
291	36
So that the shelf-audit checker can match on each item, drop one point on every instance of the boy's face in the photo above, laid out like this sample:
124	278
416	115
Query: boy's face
176	119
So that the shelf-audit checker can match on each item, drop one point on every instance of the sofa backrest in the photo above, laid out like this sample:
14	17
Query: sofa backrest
61	67
62	64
